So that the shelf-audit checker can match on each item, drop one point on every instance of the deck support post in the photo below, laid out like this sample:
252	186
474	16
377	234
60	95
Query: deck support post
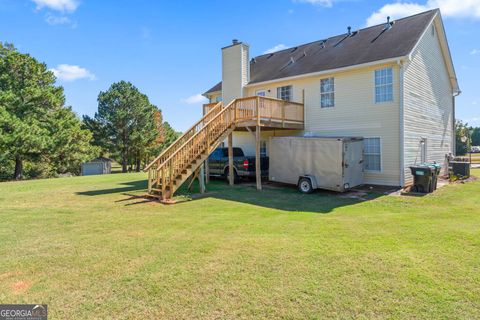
231	178
258	172
201	178
207	171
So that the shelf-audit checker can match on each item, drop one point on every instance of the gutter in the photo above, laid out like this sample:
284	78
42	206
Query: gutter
319	73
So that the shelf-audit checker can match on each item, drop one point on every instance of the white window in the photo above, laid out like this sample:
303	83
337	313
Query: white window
372	154
327	93
384	85
284	93
261	93
263	148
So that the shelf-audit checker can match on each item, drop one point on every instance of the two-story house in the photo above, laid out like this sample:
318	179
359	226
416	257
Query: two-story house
393	84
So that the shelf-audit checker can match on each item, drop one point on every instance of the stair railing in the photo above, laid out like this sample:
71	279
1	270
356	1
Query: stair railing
153	165
194	147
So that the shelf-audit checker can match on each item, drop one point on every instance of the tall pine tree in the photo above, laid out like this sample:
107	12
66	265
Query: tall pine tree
33	116
125	123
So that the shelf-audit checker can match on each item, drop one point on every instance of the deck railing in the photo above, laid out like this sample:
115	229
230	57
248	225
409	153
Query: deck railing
212	112
267	108
209	106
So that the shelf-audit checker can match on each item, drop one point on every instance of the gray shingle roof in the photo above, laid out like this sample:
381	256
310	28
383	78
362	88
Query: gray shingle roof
363	46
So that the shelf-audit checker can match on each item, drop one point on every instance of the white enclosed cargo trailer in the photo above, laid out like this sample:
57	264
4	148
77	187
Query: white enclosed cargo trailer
333	163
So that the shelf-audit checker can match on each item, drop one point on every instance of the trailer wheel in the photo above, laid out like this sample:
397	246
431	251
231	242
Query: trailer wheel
305	185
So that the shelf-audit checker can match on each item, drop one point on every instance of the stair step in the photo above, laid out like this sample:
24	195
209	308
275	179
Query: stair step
190	165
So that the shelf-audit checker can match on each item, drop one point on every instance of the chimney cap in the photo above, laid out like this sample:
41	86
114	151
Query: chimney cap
235	41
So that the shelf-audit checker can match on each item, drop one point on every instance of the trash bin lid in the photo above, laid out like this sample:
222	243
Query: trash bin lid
431	164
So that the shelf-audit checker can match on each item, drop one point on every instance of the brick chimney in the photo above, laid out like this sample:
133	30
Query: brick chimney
235	70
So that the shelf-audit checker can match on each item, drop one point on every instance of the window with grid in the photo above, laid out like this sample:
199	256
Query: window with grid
284	93
327	93
384	85
372	154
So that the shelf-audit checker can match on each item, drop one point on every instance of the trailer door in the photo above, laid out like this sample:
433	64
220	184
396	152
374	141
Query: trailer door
353	162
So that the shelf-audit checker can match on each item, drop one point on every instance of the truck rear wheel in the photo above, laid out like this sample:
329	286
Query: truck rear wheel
236	178
305	185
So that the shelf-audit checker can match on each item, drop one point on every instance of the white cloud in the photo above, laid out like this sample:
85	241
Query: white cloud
323	3
449	8
195	99
68	73
394	11
53	20
58	5
56	20
278	47
474	52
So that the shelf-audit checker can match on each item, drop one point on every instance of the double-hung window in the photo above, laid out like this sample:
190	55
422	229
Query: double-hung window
284	93
383	85
372	154
327	92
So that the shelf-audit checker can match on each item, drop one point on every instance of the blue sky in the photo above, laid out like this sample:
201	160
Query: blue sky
170	50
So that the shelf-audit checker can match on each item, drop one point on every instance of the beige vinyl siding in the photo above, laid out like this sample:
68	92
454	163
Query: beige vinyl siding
212	97
428	104
355	113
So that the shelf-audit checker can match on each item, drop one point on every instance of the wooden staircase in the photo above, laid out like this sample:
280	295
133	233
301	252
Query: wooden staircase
168	171
178	162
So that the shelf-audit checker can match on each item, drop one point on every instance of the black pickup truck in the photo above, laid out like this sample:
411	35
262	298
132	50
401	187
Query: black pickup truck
243	166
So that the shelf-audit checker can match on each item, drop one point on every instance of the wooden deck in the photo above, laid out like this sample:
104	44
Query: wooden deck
268	113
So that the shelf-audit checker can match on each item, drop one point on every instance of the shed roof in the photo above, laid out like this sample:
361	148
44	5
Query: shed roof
101	159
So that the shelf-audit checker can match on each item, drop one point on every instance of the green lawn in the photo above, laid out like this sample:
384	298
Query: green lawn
89	250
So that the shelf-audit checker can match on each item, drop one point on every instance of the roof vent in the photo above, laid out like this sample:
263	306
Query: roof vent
349	31
388	25
294	49
235	41
290	62
270	55
253	60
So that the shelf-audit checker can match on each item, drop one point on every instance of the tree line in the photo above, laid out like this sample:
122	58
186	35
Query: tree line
465	137
41	137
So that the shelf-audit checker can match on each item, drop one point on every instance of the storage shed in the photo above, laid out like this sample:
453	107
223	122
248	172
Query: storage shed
99	165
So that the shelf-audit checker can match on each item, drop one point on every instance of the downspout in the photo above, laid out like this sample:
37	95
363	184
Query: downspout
402	127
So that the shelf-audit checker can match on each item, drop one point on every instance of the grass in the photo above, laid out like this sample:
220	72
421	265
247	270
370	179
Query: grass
89	250
475	157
